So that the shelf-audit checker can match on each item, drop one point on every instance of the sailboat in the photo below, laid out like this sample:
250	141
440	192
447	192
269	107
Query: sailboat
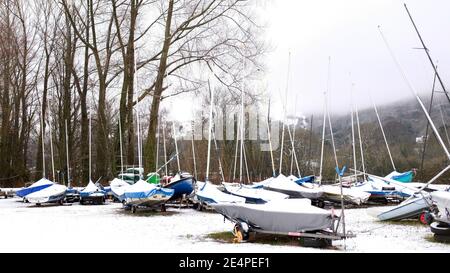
421	201
91	194
142	193
44	191
182	183
208	193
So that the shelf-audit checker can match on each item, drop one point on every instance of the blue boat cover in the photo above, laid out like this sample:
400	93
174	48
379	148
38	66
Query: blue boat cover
40	185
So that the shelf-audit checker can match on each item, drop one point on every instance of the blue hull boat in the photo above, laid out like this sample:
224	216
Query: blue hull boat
184	186
40	185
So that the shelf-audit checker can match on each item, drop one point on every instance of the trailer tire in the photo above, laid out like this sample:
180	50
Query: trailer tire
315	242
442	238
439	228
240	233
426	218
133	209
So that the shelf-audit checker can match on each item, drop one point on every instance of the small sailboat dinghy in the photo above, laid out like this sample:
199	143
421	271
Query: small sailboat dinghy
182	186
37	186
292	217
92	194
254	195
143	194
53	194
442	201
287	186
209	194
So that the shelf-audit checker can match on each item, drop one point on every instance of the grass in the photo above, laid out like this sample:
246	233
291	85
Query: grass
147	212
266	239
430	238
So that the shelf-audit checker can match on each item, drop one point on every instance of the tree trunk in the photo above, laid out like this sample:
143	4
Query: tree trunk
150	146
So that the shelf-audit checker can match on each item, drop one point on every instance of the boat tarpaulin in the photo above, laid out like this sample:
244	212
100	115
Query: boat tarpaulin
286	215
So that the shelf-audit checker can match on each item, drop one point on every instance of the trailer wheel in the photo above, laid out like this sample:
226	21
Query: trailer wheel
442	238
133	209
426	218
81	202
239	233
163	208
315	242
440	228
321	204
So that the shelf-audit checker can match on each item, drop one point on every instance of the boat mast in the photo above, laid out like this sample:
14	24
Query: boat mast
217	147
176	145
67	154
284	118
51	146
90	146
353	134
428	54
193	150
323	136
384	135
242	136
209	135
430	107
445	125
43	141
238	130
139	143
120	140
325	109
414	92
157	147
270	141
337	169
164	147
360	141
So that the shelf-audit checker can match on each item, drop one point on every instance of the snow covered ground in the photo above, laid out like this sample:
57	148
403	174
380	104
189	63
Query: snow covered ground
107	228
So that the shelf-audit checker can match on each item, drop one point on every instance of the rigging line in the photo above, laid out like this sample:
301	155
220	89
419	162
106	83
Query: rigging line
428	54
425	141
413	91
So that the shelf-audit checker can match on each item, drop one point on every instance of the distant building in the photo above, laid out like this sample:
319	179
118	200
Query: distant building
421	140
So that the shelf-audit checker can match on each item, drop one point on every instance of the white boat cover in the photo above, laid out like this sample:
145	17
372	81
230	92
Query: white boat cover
292	177
442	200
91	187
352	195
210	194
286	215
263	194
140	186
410	208
285	185
118	187
47	194
262	183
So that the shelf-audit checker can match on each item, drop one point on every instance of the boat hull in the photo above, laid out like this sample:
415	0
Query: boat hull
53	194
272	216
181	187
409	209
442	201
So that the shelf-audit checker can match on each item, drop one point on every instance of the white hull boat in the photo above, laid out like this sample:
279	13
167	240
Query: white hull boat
442	201
144	194
53	194
255	196
287	186
210	194
408	209
287	215
354	196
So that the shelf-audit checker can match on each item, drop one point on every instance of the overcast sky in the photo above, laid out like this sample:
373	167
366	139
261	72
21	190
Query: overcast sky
346	30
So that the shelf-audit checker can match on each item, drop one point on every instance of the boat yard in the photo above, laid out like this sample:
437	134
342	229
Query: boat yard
107	228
